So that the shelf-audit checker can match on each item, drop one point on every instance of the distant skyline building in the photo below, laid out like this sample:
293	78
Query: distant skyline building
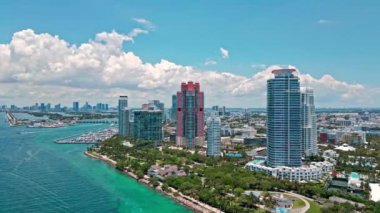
86	107
308	123
174	109
284	119
57	108
123	103
213	135
147	125
48	107
158	104
42	107
190	111
76	106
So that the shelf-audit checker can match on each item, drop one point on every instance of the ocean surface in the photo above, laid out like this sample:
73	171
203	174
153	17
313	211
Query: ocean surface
37	175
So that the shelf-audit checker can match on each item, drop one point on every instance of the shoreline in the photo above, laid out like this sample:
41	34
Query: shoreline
188	202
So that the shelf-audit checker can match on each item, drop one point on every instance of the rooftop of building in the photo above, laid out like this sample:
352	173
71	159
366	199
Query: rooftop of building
345	147
313	165
375	191
283	70
147	110
354	175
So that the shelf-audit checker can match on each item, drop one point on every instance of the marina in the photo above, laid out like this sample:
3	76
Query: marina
46	124
91	137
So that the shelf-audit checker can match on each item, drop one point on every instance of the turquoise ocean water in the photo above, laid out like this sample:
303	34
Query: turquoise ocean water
37	175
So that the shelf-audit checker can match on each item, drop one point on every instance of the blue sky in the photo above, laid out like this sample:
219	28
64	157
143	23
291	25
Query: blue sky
340	38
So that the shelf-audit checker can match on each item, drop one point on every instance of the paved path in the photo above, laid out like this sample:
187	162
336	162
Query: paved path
299	210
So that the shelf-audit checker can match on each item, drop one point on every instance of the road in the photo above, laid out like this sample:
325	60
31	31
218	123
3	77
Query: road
299	210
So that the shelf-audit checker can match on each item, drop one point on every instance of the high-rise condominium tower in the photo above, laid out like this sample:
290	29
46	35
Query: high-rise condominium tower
284	119
308	122
147	125
123	103
190	105
213	135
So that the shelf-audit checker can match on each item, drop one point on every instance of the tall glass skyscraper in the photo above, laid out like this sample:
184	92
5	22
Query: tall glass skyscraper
123	103
284	119
309	123
147	125
76	106
213	135
125	127
190	105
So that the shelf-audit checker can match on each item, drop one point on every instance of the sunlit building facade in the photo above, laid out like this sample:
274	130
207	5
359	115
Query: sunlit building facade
213	135
308	123
190	111
284	119
147	125
123	103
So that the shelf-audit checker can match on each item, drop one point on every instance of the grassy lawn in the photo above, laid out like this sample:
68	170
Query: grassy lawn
314	207
298	204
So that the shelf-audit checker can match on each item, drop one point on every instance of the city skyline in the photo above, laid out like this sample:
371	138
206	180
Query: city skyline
190	106
128	52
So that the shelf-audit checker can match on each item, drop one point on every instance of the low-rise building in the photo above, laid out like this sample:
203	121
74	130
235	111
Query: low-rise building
314	171
330	156
354	181
163	172
345	147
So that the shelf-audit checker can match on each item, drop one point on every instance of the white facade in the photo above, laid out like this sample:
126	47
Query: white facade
330	155
345	148
309	123
314	171
374	192
213	136
343	122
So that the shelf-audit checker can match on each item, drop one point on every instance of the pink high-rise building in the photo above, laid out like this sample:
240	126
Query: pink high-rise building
190	109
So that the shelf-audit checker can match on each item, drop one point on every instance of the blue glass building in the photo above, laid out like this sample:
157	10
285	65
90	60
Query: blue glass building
123	103
284	119
308	123
76	106
213	135
125	127
147	125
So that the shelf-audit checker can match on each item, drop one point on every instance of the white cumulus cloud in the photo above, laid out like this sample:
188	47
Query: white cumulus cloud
39	67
